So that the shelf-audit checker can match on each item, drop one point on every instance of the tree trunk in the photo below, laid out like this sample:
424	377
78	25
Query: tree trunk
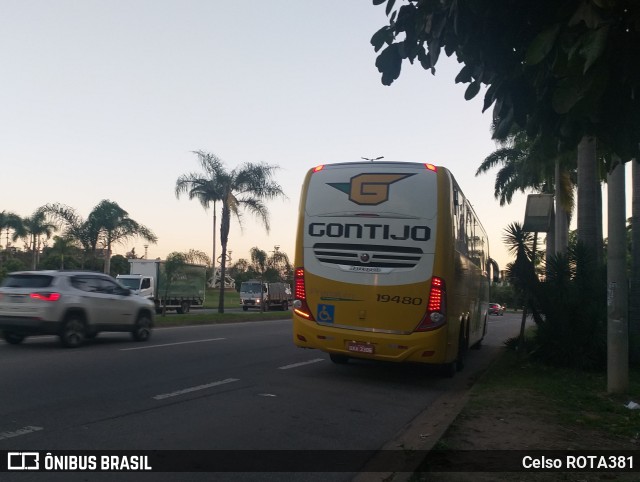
33	252
617	295
561	218
224	238
634	295
588	185
213	260
107	258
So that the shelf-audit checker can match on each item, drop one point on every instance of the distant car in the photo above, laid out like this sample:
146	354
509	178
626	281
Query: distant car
75	305
496	309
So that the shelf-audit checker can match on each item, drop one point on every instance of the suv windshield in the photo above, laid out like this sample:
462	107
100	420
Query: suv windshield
27	281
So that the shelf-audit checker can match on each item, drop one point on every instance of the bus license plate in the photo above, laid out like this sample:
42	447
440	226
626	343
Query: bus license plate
360	347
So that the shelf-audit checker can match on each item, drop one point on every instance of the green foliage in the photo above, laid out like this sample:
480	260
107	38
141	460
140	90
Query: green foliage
10	265
505	295
573	332
560	70
119	265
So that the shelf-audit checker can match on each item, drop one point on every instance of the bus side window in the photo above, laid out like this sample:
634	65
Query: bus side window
461	234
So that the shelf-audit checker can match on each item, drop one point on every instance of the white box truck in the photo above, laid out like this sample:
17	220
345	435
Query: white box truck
147	277
272	295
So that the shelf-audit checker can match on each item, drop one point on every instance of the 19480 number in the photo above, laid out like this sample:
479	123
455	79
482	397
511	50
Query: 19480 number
405	300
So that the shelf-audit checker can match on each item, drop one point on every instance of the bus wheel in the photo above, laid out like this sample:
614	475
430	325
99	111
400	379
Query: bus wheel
478	344
338	359
450	369
463	347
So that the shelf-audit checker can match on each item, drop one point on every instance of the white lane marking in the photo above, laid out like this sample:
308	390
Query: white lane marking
21	431
195	389
171	344
295	365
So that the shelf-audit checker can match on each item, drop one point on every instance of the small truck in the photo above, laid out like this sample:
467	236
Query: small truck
271	295
148	278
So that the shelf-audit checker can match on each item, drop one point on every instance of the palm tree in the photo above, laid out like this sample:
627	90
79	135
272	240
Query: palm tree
205	189
116	227
634	294
8	221
106	224
75	228
245	187
526	166
32	228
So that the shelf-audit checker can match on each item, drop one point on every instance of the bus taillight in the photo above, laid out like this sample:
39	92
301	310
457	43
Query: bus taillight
300	306
436	307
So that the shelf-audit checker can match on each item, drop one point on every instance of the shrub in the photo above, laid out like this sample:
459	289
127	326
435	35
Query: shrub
573	332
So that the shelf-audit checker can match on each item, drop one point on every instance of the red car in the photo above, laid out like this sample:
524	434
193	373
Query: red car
496	309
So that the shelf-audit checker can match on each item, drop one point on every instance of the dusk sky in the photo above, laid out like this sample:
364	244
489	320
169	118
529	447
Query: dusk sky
107	100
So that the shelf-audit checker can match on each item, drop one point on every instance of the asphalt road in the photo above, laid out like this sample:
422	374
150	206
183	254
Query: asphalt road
217	387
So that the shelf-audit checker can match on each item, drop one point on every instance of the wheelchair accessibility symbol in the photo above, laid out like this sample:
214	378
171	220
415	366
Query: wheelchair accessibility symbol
325	313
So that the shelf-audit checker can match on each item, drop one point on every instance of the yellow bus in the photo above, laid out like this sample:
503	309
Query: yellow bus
391	263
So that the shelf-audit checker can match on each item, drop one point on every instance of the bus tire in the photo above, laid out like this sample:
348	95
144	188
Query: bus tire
457	365
285	306
478	344
338	359
245	308
463	347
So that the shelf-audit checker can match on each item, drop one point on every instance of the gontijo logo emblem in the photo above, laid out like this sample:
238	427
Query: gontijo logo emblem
369	189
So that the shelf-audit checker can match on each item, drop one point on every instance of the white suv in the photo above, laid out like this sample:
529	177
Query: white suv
75	305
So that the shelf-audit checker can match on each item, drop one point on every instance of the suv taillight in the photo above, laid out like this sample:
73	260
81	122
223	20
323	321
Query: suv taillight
436	315
45	296
300	306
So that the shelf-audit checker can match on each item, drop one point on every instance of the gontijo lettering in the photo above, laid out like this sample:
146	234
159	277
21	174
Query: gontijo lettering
369	231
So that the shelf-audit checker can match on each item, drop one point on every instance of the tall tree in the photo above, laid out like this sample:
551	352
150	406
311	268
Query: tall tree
74	227
62	247
106	224
524	167
33	228
245	187
8	221
567	72
205	188
617	286
116	227
280	264
634	293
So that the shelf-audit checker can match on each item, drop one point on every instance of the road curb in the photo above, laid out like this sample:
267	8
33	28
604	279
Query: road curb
421	434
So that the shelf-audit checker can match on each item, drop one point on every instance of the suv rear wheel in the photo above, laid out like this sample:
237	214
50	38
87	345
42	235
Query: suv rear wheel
12	338
142	329
73	331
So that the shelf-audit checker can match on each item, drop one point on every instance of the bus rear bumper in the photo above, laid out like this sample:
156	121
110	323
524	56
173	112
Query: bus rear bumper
418	347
